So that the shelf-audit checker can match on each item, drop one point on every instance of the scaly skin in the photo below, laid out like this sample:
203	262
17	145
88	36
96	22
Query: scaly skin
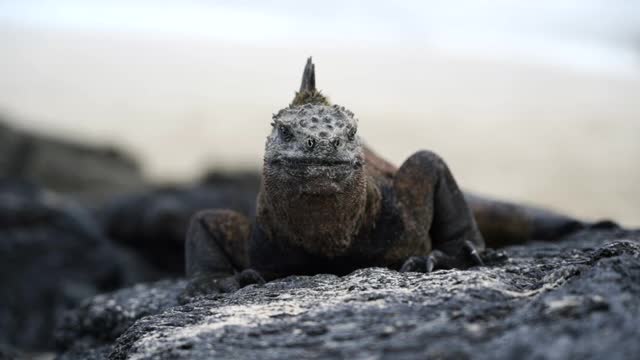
328	204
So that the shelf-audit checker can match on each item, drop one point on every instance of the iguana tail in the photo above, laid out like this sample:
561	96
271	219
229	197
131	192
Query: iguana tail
502	223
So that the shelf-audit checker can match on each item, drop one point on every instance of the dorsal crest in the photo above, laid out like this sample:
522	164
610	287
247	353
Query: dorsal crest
308	93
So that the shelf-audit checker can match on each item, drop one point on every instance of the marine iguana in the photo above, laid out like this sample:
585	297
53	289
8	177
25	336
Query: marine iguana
328	204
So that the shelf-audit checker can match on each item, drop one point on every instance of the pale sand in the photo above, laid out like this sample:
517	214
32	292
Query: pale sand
546	135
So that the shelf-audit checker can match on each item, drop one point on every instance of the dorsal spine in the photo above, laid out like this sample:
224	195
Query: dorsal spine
308	93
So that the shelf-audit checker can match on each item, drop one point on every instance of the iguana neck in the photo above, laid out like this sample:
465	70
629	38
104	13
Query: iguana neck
322	225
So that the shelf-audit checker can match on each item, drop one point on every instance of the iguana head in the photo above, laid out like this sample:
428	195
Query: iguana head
313	147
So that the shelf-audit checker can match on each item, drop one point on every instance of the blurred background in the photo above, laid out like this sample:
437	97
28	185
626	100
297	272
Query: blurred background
535	101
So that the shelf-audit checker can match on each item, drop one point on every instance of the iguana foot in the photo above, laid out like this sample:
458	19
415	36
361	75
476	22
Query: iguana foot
437	260
417	264
473	253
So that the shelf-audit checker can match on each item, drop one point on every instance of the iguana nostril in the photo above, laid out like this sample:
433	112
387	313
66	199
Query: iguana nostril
311	143
335	142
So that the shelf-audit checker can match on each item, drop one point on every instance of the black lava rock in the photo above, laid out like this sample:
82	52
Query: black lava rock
98	321
572	299
52	255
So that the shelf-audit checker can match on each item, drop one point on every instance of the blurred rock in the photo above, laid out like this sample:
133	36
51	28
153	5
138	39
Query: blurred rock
248	181
52	255
572	299
154	222
9	353
85	171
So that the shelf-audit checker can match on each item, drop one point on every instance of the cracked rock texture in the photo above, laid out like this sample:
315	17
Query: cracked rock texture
576	299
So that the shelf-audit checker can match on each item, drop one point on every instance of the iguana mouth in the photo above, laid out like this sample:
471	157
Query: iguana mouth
307	161
316	169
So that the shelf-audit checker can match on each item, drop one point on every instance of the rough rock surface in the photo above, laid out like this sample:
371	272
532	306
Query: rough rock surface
573	299
98	321
52	255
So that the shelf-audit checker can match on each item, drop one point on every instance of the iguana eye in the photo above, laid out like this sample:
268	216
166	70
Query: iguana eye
285	132
352	133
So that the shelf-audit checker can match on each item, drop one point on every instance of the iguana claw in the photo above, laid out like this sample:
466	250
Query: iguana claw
473	252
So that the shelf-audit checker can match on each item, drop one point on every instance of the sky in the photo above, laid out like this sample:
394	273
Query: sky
593	35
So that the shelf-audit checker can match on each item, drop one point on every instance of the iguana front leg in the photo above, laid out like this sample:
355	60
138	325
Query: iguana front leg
435	210
216	253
